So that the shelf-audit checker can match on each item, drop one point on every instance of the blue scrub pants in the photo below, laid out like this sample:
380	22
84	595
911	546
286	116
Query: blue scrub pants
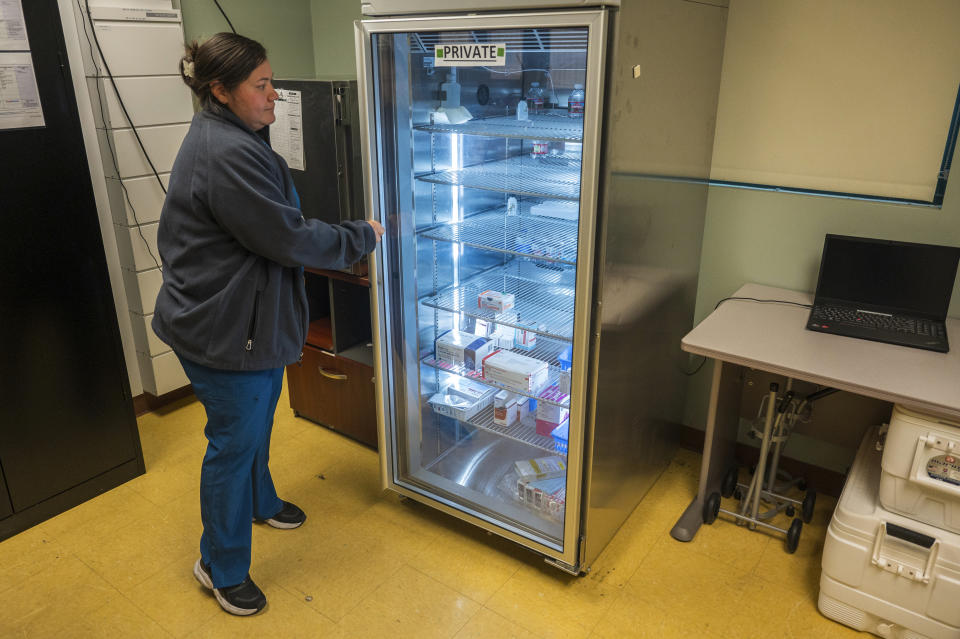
235	482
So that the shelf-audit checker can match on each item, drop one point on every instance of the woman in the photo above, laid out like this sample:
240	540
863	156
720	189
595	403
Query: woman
233	305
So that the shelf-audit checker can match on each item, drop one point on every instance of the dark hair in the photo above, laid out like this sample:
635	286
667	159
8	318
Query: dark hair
226	58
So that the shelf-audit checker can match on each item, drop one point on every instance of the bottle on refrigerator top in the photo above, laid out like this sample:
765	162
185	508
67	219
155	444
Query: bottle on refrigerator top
535	98
575	101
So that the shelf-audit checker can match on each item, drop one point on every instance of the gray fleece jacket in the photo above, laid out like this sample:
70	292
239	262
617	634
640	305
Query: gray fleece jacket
233	243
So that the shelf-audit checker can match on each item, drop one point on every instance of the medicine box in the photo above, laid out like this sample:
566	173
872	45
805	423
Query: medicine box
462	400
495	301
920	475
885	573
503	336
463	349
545	495
541	468
505	409
558	209
526	337
550	415
560	436
523	407
522	373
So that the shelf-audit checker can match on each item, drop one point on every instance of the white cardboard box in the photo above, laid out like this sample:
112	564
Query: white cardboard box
463	349
516	371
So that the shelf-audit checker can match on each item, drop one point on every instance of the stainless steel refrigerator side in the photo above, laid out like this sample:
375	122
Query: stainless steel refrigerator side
583	311
366	109
568	558
664	83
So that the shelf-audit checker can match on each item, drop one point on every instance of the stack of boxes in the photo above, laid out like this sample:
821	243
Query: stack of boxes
891	558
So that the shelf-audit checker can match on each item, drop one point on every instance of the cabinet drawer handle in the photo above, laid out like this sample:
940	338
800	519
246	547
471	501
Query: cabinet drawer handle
331	375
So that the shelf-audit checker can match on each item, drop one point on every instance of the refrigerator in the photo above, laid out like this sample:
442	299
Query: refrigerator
531	290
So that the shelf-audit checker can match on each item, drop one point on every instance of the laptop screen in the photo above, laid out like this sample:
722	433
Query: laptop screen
883	275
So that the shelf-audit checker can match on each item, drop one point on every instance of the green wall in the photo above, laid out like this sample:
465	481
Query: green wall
333	47
284	27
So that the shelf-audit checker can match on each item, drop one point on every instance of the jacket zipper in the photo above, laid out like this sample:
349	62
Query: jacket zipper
253	321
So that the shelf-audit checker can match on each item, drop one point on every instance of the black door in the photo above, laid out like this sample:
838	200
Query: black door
66	414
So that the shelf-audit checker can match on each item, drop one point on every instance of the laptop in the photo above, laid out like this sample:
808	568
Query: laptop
885	291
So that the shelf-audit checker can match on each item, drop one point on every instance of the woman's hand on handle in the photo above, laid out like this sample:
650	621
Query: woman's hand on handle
377	228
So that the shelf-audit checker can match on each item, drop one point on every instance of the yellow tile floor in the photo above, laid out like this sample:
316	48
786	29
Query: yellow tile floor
367	564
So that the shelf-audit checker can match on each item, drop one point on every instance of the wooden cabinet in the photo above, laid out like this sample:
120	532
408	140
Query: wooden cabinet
336	392
333	384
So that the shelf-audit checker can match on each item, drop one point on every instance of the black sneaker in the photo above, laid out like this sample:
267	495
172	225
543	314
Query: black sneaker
290	516
243	599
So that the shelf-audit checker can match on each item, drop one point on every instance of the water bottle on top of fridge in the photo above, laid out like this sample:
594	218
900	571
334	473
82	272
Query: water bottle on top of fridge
535	98
575	102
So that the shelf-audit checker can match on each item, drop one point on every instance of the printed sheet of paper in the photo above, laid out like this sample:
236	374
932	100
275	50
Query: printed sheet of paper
19	97
286	134
13	30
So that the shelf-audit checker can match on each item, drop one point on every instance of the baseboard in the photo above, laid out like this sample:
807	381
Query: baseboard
147	403
824	481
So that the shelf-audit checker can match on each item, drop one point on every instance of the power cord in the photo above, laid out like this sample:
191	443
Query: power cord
113	154
225	17
749	299
754	299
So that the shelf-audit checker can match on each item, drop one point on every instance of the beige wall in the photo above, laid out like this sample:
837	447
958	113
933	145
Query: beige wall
776	239
852	96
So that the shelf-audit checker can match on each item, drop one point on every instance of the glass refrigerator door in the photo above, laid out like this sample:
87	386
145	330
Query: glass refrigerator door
477	173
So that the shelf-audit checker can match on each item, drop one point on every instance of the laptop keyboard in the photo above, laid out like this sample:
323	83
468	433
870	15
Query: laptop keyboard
897	323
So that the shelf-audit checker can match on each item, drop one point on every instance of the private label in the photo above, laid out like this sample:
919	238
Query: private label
470	55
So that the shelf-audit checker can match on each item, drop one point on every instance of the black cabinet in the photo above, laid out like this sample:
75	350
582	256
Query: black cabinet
333	385
67	426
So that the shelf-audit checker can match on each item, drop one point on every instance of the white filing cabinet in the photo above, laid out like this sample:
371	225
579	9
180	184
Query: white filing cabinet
142	46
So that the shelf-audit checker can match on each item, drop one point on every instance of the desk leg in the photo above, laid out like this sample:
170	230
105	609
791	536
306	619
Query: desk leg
719	444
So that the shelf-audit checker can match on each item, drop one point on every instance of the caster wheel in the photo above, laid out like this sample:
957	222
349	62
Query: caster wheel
808	504
790	511
711	508
737	494
793	536
802	484
729	484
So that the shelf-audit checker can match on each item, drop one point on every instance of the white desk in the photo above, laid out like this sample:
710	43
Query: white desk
772	337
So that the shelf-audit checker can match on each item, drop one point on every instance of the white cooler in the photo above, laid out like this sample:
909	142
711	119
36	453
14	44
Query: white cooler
921	469
884	573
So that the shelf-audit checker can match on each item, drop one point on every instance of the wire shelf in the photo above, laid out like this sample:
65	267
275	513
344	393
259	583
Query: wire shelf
553	372
554	128
545	309
543	238
524	430
555	176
